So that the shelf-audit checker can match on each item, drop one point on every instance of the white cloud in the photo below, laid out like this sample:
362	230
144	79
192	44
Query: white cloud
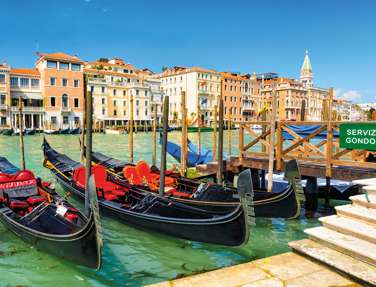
351	95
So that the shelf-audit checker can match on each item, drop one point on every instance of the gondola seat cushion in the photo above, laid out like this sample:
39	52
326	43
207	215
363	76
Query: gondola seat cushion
147	175
132	175
18	204
24	175
33	200
79	176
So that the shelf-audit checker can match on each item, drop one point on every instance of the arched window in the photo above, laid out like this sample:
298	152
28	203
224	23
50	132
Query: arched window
65	101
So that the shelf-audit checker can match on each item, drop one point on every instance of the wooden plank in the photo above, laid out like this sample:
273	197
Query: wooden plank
262	141
301	140
256	140
341	153
241	142
279	147
294	134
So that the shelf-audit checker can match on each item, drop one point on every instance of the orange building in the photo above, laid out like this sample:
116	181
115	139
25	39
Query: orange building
62	81
232	95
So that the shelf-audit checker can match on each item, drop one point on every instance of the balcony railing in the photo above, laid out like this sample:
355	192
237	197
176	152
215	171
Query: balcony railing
66	110
28	109
3	107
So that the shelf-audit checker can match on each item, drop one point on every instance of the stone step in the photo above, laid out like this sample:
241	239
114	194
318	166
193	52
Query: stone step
357	212
351	227
361	200
352	246
371	189
355	269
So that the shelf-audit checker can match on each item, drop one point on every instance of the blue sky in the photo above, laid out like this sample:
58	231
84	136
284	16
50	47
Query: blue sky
239	36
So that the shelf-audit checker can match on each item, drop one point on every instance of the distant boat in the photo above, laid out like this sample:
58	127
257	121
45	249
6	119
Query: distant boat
75	131
51	132
7	132
64	131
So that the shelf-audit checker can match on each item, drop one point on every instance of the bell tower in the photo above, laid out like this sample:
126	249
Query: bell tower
306	75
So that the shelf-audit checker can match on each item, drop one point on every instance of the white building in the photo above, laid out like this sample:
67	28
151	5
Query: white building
202	87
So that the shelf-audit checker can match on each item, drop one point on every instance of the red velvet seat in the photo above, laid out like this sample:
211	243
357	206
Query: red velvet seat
105	188
34	200
131	174
18	204
70	216
24	175
152	179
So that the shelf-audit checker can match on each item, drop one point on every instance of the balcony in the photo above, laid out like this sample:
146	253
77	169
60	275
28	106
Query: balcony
28	109
66	110
3	107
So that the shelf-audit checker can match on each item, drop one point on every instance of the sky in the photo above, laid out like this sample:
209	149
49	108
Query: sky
237	36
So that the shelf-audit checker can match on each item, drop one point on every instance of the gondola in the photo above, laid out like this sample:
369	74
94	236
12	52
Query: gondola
32	210
75	131
7	132
51	132
157	213
64	131
284	203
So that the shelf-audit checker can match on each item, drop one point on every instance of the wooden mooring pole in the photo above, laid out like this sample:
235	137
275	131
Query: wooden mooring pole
215	133
220	144
154	149
263	148
272	133
229	133
82	136
164	145
199	130
89	145
131	131
183	151
22	146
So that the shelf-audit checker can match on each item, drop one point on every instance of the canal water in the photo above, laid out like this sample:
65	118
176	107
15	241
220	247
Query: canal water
130	257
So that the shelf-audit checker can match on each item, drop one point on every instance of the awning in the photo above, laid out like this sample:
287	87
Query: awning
27	95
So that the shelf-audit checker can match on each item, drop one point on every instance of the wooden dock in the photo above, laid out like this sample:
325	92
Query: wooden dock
323	158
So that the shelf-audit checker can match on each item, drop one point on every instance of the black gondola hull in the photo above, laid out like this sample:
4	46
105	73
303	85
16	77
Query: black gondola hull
80	247
229	230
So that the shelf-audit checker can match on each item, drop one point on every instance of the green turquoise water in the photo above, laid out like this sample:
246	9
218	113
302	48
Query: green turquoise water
130	257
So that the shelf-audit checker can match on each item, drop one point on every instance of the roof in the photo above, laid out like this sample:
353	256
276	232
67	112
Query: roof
234	76
60	56
177	70
118	64
108	72
25	72
306	63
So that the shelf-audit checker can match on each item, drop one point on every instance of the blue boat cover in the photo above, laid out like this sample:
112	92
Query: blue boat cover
304	131
192	158
7	167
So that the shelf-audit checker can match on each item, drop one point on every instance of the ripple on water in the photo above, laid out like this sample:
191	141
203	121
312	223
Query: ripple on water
131	257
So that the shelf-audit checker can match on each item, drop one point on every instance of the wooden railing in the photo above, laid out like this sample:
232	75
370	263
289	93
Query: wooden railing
325	151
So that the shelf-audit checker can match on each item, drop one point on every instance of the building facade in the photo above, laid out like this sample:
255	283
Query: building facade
62	78
202	87
114	83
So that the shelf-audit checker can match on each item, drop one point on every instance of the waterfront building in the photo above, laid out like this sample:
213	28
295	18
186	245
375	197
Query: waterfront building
234	87
61	79
25	85
4	95
113	83
293	94
202	87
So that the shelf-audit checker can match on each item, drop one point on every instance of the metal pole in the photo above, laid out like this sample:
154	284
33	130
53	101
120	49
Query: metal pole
89	122
22	146
154	150
164	145
220	143
131	132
